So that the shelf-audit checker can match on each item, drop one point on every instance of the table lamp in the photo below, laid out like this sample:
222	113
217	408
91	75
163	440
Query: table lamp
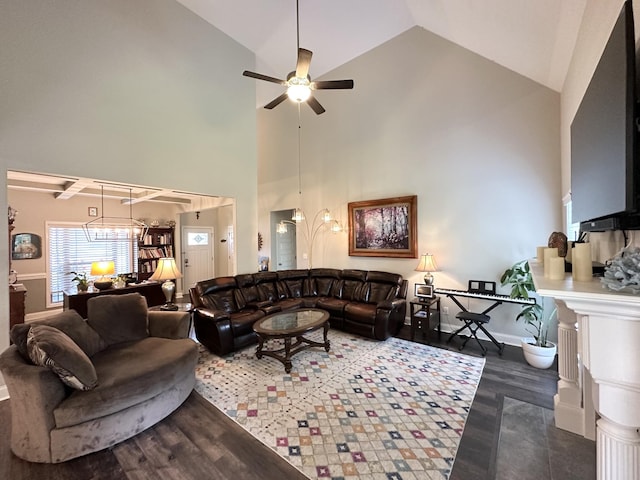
167	270
427	264
102	269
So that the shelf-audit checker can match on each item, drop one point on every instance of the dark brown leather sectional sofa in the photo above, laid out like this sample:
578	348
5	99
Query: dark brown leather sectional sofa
367	303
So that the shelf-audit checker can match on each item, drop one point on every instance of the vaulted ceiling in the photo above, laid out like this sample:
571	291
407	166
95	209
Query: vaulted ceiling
534	38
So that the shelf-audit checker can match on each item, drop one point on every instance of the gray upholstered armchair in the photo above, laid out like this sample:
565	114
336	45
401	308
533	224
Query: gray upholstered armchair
102	380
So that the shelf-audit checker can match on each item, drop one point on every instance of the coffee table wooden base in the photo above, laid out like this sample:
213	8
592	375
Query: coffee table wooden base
284	354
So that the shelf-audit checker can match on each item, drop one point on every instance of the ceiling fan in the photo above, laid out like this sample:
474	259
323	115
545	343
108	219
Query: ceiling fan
298	83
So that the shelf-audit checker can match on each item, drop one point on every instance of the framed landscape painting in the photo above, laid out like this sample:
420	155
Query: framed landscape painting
384	228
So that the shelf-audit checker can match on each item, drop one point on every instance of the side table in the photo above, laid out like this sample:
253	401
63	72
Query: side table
424	314
182	307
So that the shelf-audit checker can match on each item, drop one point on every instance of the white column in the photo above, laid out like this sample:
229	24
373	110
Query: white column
568	411
608	368
618	451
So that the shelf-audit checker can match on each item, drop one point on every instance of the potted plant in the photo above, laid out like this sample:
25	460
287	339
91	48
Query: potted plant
82	283
538	351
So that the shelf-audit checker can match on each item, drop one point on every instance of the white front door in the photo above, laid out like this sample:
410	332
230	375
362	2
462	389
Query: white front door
198	260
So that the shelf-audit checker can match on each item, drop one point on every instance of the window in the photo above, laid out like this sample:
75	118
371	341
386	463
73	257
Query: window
572	229
68	250
197	238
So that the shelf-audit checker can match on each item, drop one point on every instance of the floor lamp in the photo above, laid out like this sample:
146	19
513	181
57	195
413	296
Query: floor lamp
167	270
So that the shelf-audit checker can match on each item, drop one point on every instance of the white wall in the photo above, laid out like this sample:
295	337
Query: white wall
597	22
476	142
141	92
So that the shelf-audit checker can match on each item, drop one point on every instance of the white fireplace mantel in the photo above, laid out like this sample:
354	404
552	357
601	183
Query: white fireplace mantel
599	369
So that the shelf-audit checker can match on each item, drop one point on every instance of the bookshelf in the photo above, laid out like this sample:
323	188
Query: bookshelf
157	243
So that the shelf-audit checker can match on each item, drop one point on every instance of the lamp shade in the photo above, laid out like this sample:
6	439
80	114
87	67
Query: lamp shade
166	270
427	264
102	268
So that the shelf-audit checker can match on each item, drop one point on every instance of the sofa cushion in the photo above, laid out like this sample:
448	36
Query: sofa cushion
334	306
360	312
379	292
69	322
293	281
289	303
242	322
119	318
129	374
321	281
49	347
247	292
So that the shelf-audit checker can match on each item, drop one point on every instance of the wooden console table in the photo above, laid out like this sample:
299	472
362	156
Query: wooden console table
78	301
17	294
599	369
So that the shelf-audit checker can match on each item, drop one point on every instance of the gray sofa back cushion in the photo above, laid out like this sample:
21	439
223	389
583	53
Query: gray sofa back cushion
68	322
119	318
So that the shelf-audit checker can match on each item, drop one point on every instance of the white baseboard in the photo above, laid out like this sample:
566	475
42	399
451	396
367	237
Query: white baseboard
507	339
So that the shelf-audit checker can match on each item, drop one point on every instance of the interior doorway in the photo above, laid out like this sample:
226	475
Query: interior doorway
284	242
198	258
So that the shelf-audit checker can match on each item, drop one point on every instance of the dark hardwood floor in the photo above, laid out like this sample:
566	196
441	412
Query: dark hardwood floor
197	442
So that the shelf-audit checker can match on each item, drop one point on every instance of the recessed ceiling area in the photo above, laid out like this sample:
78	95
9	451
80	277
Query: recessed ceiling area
63	187
534	38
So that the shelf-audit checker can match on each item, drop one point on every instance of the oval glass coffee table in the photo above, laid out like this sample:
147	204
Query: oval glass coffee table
289	325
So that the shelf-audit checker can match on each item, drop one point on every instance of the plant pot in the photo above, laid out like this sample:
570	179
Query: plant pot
82	287
539	357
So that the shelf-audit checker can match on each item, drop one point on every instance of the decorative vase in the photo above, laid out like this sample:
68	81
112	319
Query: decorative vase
538	357
82	287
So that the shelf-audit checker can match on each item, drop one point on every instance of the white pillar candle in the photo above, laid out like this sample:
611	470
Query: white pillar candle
549	253
540	254
556	268
581	260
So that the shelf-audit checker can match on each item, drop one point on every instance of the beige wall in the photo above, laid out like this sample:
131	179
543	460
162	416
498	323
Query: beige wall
138	92
477	143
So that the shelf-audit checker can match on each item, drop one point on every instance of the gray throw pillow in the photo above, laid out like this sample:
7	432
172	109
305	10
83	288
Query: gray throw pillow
49	347
69	322
119	318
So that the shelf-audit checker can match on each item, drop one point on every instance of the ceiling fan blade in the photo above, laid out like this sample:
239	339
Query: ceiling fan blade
332	84
259	76
304	60
277	101
315	105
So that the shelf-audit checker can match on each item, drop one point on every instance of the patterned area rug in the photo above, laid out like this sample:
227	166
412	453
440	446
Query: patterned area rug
381	410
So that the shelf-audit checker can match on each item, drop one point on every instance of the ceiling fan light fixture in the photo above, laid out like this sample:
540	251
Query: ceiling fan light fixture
298	92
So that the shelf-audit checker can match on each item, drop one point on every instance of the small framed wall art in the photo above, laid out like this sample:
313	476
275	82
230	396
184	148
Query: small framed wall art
93	211
26	246
384	228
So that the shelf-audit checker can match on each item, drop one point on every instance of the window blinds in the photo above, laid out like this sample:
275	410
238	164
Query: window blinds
70	251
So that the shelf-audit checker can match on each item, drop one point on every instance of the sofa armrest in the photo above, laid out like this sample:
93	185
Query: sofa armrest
213	330
259	304
35	393
169	324
211	315
389	317
385	305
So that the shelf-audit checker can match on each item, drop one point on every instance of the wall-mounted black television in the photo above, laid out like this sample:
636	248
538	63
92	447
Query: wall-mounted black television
605	168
